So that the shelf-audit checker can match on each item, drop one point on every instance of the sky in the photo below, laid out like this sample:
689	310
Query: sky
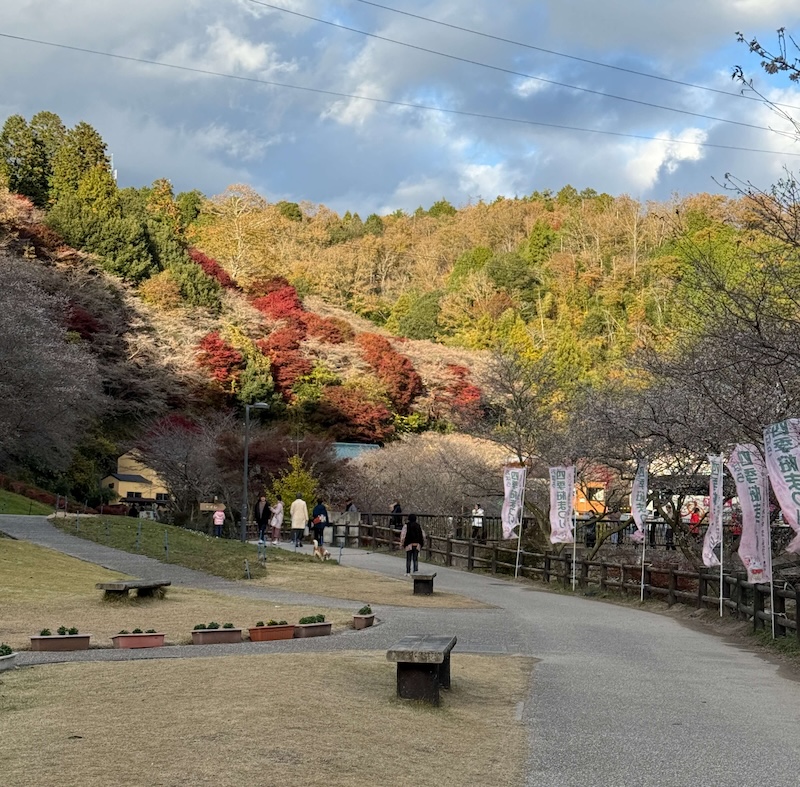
286	111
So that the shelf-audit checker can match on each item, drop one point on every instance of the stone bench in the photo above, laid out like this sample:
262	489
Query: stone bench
143	587
423	584
423	665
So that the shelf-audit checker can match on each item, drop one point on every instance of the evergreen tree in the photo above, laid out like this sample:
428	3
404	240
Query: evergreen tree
22	160
82	149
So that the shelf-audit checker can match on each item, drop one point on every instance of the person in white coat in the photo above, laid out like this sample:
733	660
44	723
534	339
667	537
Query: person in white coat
298	513
276	521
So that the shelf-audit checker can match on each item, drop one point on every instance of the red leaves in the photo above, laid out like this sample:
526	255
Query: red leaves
221	359
332	330
394	370
349	415
463	398
213	269
280	304
81	322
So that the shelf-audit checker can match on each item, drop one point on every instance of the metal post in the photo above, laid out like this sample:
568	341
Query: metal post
166	545
243	533
139	537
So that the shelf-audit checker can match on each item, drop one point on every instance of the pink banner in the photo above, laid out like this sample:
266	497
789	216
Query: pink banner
514	487
750	473
639	501
713	537
562	494
782	452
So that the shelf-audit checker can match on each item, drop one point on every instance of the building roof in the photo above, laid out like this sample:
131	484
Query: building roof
352	450
131	479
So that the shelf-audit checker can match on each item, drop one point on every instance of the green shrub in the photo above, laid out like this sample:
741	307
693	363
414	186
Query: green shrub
261	623
137	631
200	627
213	625
62	630
282	623
150	631
72	631
227	625
365	610
124	631
45	633
5	650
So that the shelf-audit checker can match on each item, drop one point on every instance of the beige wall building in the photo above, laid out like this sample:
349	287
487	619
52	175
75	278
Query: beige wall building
135	482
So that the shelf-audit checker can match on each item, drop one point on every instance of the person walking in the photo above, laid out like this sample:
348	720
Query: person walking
395	521
276	521
219	521
298	513
412	539
319	519
262	513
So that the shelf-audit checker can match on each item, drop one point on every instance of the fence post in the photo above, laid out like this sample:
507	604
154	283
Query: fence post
647	577
470	554
448	552
494	558
701	589
567	573
603	575
779	614
725	590
583	581
797	611
758	606
673	586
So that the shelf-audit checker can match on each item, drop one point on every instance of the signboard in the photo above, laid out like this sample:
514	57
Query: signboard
212	506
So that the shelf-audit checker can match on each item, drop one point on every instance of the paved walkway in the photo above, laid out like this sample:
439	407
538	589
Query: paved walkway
620	698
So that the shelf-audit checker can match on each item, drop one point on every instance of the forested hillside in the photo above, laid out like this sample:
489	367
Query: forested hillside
161	309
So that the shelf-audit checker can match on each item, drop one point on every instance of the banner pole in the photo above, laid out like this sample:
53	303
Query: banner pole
721	562
519	535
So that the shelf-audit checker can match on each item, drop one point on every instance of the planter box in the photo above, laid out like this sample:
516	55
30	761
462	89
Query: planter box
271	633
363	621
61	642
8	662
302	630
138	640
216	636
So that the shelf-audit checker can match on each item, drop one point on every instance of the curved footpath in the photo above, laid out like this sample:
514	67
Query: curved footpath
620	697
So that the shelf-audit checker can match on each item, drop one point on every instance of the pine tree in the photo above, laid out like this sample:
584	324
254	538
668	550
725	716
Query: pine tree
83	148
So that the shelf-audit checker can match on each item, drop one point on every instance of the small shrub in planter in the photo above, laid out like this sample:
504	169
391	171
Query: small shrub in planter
272	631
365	617
7	657
64	639
312	626
213	634
138	639
226	625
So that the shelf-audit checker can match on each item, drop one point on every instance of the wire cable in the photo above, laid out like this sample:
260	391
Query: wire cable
544	80
579	59
390	102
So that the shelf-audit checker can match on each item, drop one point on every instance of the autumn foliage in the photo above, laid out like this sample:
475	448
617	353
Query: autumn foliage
395	371
220	359
280	304
331	330
463	397
213	269
347	414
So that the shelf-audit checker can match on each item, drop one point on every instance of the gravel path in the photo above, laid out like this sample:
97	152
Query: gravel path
620	698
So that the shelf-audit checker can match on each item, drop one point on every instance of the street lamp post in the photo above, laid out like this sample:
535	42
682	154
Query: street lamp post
245	506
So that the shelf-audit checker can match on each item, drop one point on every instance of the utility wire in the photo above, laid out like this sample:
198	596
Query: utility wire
571	57
389	102
554	82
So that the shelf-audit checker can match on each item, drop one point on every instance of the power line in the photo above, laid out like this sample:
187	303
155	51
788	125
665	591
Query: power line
390	102
436	52
572	57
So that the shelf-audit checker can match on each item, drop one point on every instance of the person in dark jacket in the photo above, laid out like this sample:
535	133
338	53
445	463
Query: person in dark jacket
319	521
412	539
262	513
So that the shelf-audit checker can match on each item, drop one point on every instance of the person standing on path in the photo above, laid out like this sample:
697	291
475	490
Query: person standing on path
477	522
276	522
219	521
298	513
395	520
262	513
412	539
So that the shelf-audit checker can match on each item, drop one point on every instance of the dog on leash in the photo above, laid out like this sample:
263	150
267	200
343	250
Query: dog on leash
321	552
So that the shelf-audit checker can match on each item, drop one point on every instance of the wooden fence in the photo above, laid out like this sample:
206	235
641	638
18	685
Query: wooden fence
742	599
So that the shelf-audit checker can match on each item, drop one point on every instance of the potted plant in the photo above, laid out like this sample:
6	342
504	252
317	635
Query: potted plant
138	639
212	634
7	657
312	626
365	617
274	629
64	639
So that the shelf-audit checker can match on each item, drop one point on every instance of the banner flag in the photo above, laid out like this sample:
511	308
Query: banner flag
713	537
562	494
752	487
639	501
782	452
514	487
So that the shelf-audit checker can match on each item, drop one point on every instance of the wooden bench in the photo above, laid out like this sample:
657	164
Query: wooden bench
423	665
423	584
143	587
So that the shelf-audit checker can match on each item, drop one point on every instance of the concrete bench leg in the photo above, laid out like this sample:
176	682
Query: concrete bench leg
444	672
418	682
423	587
115	594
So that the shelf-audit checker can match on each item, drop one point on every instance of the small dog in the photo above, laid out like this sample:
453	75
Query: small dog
321	552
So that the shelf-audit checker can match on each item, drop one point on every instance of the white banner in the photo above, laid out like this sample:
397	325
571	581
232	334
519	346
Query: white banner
514	487
713	537
782	452
639	501
748	470
562	493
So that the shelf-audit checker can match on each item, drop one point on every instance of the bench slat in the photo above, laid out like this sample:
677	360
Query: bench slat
426	649
135	584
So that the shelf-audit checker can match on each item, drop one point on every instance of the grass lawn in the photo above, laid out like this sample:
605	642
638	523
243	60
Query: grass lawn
17	504
311	720
40	589
285	570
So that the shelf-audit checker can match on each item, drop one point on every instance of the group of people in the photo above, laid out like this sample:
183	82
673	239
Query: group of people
300	521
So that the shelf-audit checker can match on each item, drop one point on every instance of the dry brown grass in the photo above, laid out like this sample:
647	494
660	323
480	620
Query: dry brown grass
357	585
40	589
314	719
